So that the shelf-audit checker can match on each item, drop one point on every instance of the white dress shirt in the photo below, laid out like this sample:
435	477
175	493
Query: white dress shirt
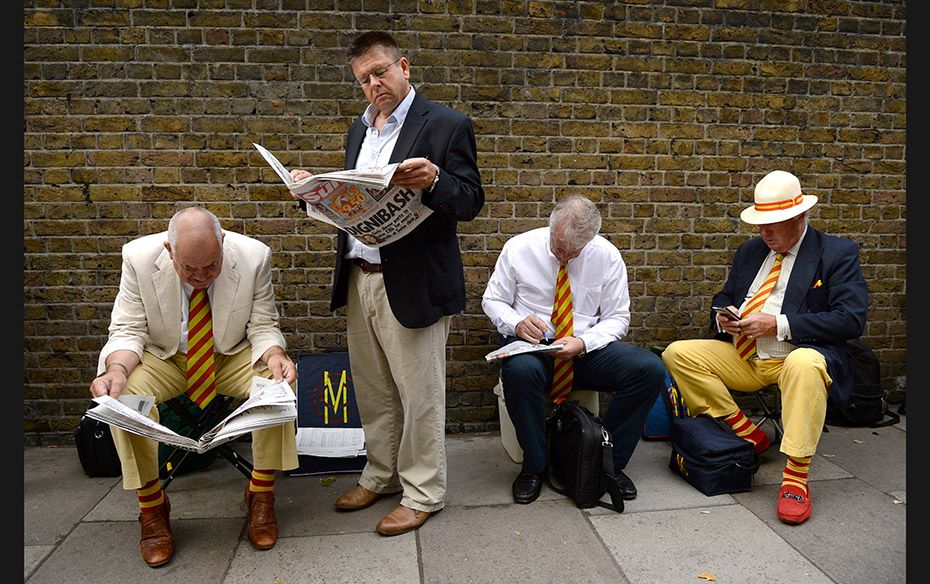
523	283
376	152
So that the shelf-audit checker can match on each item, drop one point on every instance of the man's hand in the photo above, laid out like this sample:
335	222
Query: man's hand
299	174
415	173
758	325
109	383
280	365
113	380
532	329
571	348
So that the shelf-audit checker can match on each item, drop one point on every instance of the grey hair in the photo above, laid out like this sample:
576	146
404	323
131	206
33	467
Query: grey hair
173	224
581	218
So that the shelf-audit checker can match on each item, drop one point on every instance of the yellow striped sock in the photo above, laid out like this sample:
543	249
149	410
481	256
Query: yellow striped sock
262	481
795	472
150	496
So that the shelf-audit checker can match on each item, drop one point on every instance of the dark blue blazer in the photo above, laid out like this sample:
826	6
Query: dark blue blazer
822	317
423	273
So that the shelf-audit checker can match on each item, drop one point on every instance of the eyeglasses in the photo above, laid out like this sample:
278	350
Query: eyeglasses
379	73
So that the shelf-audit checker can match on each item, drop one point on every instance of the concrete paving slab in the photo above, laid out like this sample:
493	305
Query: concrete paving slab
678	546
330	559
876	455
771	471
55	474
305	506
109	552
657	487
33	556
481	473
856	534
213	492
545	541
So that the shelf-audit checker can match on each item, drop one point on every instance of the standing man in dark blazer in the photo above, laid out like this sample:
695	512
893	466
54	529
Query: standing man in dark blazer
400	297
799	295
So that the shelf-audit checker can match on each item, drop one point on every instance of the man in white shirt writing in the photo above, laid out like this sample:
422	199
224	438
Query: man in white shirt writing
587	319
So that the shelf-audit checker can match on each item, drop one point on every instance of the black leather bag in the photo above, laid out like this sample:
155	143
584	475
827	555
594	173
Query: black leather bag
580	457
96	449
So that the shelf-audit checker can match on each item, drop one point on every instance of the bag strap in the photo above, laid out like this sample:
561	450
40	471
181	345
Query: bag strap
607	470
889	418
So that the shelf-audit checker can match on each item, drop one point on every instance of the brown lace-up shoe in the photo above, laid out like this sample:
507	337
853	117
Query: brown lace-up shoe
357	498
157	543
262	525
401	520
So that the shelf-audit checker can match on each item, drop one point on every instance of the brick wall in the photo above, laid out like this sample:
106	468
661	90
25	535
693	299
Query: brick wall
664	113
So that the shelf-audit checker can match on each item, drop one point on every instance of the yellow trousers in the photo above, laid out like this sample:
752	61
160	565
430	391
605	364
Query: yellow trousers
272	448
706	370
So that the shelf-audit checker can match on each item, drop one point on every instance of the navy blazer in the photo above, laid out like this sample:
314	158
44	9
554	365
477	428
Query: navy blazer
422	271
822	317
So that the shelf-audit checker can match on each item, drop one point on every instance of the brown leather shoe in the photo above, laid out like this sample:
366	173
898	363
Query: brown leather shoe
157	542
401	520
358	498
262	523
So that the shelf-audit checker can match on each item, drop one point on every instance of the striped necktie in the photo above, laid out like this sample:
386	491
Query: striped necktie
745	346
201	368
562	374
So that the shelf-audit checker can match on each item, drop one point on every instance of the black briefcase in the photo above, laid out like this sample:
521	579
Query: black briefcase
96	449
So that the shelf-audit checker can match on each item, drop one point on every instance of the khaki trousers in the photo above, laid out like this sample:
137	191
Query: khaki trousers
399	375
272	448
705	371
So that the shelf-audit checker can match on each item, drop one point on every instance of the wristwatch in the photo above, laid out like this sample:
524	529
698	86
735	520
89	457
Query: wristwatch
435	180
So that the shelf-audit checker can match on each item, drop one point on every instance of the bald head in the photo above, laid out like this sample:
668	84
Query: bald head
195	244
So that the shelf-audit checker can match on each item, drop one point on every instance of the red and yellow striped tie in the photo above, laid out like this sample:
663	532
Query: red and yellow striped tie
562	374
745	346
201	368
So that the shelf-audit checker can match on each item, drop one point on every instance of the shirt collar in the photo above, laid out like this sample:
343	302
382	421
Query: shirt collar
398	115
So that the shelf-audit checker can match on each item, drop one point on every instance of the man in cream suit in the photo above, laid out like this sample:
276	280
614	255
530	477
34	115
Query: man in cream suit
146	354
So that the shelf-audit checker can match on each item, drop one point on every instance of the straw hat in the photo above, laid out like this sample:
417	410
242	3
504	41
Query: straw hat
777	198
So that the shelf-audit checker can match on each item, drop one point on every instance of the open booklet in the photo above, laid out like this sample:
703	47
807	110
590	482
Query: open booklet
269	404
518	348
361	202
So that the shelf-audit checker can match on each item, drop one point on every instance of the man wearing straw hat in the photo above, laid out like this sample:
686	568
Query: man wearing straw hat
799	295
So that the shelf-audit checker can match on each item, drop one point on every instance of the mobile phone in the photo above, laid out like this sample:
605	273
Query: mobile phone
726	312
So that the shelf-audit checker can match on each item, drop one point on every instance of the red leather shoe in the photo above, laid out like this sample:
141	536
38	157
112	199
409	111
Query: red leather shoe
794	504
262	523
157	542
762	446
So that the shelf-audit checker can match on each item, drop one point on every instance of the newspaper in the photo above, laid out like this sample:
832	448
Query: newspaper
331	442
361	202
518	348
269	404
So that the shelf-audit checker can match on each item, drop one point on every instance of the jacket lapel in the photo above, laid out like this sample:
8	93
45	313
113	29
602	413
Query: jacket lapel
168	291
224	293
803	272
413	124
354	143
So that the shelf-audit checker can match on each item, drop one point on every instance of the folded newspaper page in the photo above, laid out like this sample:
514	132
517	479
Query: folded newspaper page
361	202
269	404
331	442
518	348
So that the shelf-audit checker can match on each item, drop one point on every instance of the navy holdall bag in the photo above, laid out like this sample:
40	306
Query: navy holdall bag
707	454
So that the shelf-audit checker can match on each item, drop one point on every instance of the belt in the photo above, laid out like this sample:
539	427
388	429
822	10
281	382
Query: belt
366	267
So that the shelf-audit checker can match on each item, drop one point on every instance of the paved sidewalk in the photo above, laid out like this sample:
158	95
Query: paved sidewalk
79	529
